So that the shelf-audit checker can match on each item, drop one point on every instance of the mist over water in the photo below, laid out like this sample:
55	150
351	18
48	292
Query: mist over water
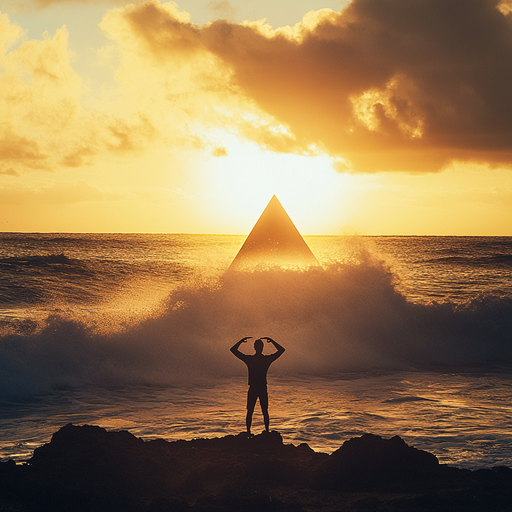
349	316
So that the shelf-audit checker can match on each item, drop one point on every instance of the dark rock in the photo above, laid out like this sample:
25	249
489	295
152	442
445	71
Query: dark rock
87	469
369	462
245	501
168	505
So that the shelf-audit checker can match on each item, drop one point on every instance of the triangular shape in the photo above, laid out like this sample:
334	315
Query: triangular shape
274	240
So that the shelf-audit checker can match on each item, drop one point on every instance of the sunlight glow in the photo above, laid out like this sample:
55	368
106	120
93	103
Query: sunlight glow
242	183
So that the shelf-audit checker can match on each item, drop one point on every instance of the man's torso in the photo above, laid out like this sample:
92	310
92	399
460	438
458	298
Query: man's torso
258	365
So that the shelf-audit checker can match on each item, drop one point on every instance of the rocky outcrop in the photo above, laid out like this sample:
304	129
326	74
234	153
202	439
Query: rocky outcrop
370	462
86	468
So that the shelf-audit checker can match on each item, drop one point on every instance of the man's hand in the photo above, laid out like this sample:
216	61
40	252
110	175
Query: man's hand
279	348
234	348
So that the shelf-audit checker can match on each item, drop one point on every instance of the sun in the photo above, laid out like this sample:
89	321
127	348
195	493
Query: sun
243	178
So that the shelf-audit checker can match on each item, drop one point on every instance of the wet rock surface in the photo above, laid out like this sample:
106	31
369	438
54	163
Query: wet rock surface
86	468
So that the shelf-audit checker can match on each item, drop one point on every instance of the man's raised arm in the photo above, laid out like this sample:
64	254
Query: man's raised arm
279	348
234	348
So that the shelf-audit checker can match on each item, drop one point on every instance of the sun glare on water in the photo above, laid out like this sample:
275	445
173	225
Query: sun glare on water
242	182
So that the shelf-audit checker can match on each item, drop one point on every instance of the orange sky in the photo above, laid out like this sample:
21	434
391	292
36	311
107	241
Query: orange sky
370	116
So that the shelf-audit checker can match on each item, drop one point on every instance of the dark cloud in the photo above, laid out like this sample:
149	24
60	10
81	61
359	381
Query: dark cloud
162	32
387	84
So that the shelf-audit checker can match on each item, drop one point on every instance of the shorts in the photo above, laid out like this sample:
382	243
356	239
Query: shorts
254	393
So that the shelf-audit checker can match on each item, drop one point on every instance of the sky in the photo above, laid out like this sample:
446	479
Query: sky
371	117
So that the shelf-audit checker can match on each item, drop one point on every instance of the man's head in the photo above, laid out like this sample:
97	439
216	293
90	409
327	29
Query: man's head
258	346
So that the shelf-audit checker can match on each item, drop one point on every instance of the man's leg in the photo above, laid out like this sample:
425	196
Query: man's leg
251	402
264	408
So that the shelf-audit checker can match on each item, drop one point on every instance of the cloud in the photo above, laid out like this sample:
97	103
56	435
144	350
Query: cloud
219	151
9	172
166	100
505	6
186	91
383	84
14	148
43	124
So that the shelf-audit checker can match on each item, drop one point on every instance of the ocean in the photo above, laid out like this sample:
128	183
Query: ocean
408	336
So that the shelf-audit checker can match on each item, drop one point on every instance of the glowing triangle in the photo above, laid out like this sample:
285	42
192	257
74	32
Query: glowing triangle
274	241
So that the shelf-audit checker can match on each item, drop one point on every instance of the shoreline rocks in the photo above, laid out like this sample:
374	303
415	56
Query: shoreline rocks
86	468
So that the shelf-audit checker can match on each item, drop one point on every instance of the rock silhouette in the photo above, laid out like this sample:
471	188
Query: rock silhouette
86	468
369	462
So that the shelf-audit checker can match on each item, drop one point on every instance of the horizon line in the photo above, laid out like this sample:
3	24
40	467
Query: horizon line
237	234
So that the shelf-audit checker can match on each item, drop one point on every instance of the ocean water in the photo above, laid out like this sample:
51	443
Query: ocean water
408	336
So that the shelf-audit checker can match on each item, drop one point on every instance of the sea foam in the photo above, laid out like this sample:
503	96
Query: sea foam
346	317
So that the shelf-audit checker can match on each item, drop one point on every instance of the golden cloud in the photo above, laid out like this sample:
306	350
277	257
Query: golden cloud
219	151
43	124
383	84
9	172
186	91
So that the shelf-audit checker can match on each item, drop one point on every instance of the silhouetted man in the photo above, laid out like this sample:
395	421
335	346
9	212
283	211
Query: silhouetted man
257	365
